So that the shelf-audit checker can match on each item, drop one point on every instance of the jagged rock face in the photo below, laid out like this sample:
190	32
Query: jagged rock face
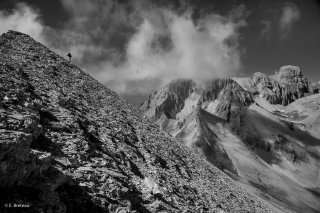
69	144
177	92
284	87
232	99
170	100
224	98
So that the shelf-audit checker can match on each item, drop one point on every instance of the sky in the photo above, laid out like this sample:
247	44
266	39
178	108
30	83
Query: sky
136	46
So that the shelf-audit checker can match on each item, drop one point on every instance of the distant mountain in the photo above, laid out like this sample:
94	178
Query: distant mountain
284	87
69	144
263	131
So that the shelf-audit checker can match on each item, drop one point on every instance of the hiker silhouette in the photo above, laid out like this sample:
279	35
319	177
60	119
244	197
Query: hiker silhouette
70	56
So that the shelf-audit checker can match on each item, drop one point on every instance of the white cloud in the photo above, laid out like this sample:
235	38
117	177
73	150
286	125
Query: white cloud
156	45
24	19
207	50
290	14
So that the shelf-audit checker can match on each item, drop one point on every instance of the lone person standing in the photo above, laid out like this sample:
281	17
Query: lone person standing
70	56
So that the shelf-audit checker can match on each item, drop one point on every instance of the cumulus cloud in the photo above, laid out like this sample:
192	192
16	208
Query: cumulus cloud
290	14
24	19
97	30
135	47
209	49
157	44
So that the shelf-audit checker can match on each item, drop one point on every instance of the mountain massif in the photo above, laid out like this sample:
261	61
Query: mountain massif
263	131
69	144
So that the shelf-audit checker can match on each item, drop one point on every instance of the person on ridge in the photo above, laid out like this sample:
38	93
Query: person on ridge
70	56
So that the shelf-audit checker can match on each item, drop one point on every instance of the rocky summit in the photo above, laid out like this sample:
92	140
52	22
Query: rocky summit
263	131
284	87
69	144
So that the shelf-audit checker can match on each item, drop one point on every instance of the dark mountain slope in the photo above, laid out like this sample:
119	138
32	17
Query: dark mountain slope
69	144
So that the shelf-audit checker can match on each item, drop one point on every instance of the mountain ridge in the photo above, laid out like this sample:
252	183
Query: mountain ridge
255	130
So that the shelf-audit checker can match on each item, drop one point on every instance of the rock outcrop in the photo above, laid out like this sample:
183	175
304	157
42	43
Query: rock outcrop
286	86
231	99
69	144
176	93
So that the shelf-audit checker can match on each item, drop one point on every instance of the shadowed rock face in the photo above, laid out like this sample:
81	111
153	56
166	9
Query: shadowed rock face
229	94
169	101
177	92
69	144
223	100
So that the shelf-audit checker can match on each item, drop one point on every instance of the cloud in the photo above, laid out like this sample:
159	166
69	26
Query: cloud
157	44
24	19
135	47
97	30
290	14
265	32
197	52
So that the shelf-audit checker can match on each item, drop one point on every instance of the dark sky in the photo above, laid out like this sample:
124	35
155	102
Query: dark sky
301	47
276	33
51	11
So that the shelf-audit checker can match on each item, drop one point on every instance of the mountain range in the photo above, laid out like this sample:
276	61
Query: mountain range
262	131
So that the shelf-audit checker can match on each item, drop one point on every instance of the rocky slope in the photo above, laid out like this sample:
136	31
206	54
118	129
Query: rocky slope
69	144
234	125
